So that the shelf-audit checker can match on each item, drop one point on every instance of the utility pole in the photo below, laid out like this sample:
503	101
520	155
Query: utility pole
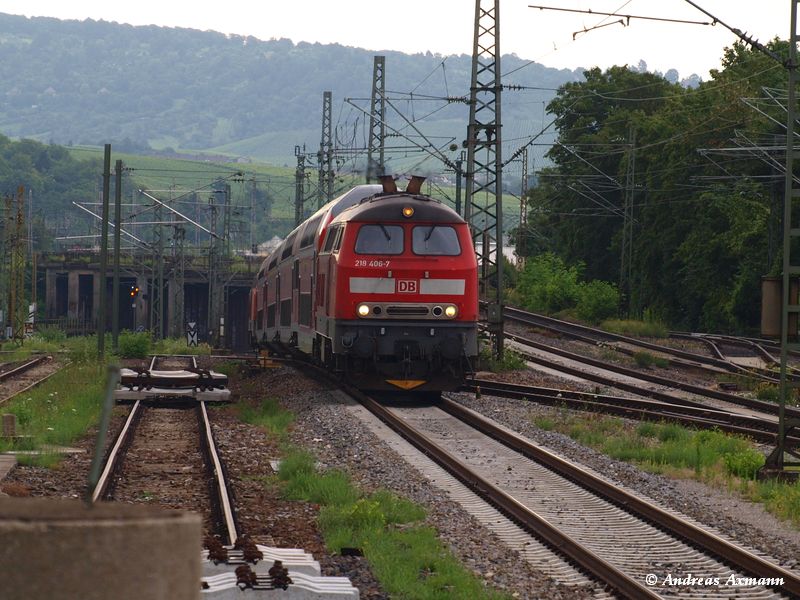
523	206
253	196
299	183
16	303
626	247
776	463
459	174
484	193
101	310
178	279
377	121
157	286
222	287
325	156
5	265
216	250
117	226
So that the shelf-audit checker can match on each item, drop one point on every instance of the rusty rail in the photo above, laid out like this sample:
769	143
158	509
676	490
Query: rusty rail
765	407
23	367
635	408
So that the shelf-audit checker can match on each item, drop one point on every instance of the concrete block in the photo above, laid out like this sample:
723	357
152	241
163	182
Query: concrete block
59	549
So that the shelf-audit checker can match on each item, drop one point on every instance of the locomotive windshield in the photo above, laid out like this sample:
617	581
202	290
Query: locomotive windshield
379	239
435	240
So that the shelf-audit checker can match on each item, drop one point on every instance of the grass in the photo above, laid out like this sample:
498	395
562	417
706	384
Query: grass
647	360
406	555
59	411
511	361
269	415
34	345
636	328
710	456
179	346
768	392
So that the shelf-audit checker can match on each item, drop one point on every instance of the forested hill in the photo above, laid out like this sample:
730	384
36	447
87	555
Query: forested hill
91	82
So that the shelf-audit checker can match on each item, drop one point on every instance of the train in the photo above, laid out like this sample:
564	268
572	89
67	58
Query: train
379	286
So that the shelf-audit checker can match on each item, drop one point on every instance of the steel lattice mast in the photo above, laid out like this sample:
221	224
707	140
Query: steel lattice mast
484	189
325	192
178	279
377	121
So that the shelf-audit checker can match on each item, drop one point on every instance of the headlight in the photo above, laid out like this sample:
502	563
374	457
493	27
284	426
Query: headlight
451	311
362	310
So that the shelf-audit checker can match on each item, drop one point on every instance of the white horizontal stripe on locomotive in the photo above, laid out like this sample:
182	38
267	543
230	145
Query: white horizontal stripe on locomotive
391	285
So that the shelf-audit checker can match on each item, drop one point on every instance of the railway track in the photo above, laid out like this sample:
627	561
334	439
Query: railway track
8	372
619	539
168	456
690	415
15	375
628	345
768	349
766	408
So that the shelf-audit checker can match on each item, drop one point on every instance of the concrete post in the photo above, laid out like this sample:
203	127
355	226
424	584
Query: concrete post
9	425
50	300
72	294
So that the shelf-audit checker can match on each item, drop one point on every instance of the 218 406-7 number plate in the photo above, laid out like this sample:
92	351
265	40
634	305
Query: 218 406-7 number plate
380	264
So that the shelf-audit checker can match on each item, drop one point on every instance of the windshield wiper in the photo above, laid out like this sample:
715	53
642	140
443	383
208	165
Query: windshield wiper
430	233
386	233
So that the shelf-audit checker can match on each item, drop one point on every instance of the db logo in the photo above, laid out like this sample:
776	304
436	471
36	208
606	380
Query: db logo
407	286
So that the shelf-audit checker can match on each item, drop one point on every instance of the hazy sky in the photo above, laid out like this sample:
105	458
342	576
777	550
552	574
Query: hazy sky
446	26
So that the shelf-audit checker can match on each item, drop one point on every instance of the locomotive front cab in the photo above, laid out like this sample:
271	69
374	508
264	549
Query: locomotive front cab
406	295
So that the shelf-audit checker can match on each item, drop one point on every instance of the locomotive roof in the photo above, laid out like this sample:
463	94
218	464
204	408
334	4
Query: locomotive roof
389	207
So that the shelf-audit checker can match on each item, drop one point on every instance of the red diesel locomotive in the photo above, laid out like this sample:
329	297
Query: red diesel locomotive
378	285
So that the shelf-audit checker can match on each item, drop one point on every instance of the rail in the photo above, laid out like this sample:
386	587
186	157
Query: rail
759	405
585	558
635	408
694	535
22	368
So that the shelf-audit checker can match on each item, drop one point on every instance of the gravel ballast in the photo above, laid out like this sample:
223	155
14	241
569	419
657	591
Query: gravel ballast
323	425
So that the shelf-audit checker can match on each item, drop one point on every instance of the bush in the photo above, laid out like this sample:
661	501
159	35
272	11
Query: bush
597	300
744	464
82	349
546	284
134	345
768	393
51	333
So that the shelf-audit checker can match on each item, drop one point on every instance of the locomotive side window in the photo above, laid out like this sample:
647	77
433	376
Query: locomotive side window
379	239
288	245
310	232
332	231
435	240
337	243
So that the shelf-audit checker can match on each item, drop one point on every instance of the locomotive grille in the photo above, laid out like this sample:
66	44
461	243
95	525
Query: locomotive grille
407	311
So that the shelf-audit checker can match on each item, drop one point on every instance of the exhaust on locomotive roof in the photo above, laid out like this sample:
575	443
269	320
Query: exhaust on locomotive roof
390	186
